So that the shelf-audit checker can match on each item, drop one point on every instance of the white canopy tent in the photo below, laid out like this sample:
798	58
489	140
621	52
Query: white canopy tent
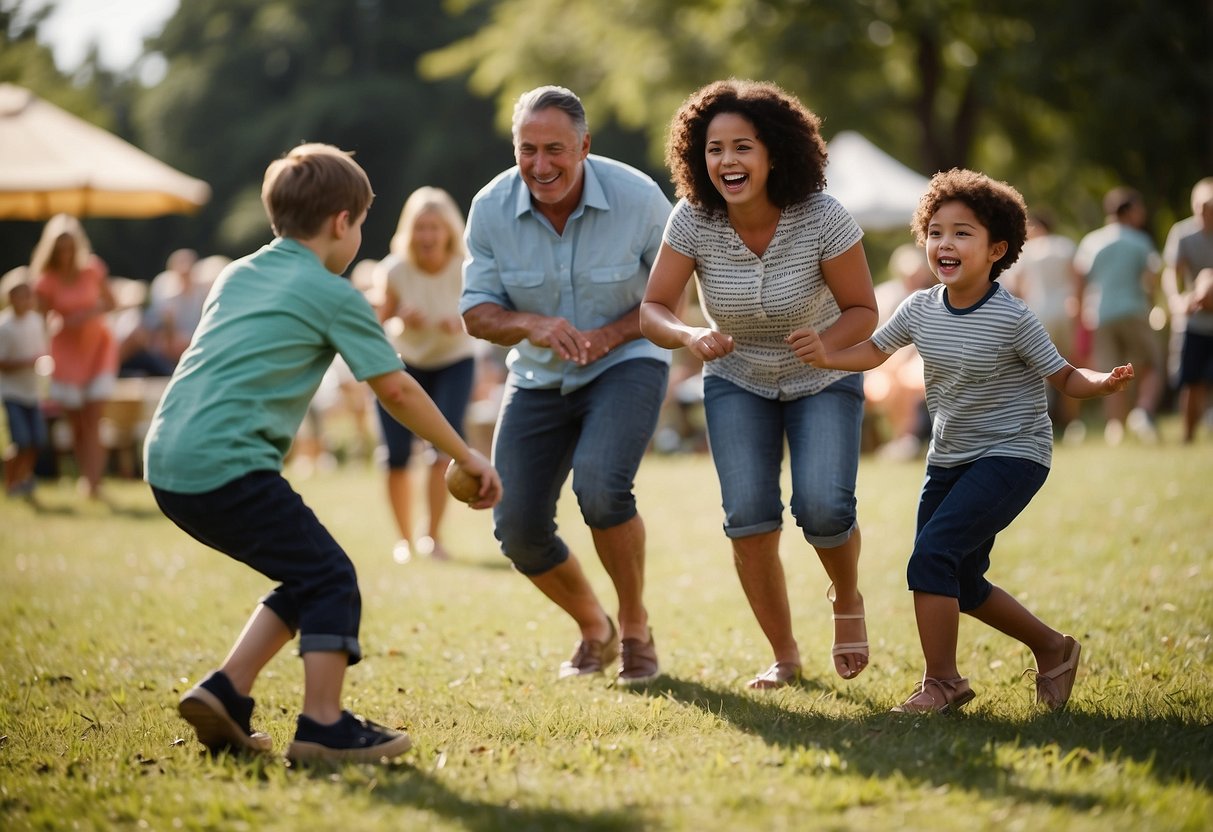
52	162
880	192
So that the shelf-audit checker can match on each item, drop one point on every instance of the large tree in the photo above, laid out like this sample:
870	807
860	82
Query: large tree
249	79
1064	99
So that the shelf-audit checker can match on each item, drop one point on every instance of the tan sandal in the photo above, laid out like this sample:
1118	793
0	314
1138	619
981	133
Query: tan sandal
855	648
1053	688
778	675
940	696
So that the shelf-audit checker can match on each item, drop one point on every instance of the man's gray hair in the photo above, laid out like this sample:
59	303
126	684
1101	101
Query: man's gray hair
541	98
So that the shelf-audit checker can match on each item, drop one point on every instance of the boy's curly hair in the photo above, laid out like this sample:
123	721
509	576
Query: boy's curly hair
790	131
998	206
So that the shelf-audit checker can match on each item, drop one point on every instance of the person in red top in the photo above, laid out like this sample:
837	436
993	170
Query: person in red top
73	293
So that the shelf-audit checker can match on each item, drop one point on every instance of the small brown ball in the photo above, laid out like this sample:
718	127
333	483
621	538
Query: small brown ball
462	485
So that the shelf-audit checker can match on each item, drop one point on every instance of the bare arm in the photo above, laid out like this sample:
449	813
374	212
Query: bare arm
495	323
602	340
850	281
1081	383
662	306
811	349
388	304
409	404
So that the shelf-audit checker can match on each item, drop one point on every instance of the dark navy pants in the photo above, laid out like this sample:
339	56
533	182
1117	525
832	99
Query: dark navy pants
960	511
259	520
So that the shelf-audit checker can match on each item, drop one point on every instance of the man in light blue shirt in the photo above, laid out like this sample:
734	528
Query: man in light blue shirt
559	251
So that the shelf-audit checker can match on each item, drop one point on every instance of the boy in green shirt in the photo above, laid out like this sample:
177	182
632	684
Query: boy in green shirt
214	453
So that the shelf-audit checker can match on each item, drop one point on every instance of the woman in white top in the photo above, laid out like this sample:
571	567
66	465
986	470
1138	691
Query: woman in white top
420	281
774	257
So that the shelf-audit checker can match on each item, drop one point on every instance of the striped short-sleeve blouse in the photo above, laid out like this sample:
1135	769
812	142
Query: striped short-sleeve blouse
760	300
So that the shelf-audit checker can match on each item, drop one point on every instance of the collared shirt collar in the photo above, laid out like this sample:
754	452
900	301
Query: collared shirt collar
592	194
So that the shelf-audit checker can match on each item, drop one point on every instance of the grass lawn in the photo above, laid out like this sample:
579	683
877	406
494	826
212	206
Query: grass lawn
106	616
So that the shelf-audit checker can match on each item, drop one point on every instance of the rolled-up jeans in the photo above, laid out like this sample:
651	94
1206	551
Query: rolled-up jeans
746	434
600	432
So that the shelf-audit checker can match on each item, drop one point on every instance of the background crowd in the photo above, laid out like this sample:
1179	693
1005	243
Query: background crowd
113	341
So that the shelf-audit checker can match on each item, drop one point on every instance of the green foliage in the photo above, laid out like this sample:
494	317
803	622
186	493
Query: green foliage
27	63
247	80
1065	101
105	617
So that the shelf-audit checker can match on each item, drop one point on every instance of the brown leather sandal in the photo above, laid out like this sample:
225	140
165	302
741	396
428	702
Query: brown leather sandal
1053	688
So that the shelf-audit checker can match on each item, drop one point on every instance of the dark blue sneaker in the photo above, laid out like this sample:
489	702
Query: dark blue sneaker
220	716
351	738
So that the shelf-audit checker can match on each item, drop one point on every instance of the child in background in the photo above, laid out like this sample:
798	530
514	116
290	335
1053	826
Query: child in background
22	343
271	327
986	358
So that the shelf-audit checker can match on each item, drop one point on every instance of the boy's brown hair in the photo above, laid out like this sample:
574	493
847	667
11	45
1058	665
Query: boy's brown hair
311	183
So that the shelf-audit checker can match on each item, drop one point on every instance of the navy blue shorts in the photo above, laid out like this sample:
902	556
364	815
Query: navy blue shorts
26	425
960	511
450	387
1196	359
259	520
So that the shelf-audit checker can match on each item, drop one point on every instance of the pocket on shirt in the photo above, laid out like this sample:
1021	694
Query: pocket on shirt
979	362
529	291
617	289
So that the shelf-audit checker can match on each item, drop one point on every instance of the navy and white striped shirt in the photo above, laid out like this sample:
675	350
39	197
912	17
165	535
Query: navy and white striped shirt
984	368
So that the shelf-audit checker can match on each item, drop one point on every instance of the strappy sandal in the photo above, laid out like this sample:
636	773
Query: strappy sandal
778	675
856	648
939	696
1053	688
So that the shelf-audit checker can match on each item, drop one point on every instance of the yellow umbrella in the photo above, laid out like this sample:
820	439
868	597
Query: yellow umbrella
52	162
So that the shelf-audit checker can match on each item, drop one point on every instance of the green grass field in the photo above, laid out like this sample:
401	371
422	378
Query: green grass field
106	616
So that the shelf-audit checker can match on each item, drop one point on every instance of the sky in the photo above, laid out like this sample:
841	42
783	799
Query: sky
118	26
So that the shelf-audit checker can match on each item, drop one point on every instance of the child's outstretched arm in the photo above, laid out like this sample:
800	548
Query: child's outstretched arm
410	405
1081	383
808	346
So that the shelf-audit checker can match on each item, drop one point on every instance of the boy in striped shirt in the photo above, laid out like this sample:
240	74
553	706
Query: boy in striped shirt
986	359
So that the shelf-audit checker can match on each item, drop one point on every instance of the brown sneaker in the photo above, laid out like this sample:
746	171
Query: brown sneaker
639	666
592	656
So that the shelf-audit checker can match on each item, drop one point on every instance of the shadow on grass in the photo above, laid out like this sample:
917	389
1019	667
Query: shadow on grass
136	512
403	784
49	510
962	750
498	564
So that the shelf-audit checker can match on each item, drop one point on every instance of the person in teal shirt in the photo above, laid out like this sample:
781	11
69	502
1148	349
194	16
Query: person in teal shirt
1120	264
214	453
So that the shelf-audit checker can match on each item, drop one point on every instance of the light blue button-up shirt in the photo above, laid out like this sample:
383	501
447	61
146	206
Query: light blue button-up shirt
591	275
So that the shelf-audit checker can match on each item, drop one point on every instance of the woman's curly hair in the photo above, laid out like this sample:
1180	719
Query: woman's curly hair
998	206
788	129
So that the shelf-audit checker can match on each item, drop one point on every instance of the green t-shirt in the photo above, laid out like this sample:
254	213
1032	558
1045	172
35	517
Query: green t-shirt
270	329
